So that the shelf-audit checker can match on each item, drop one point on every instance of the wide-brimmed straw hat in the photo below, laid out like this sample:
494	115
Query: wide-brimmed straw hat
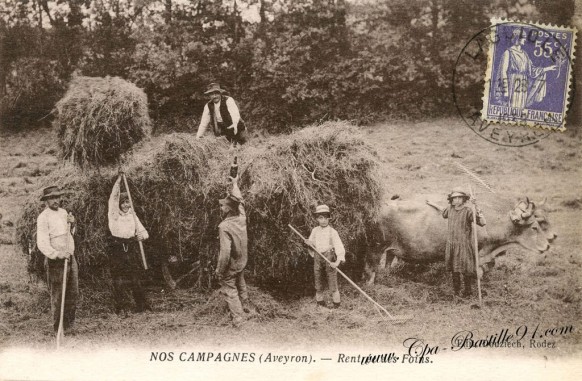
50	192
321	209
458	192
214	87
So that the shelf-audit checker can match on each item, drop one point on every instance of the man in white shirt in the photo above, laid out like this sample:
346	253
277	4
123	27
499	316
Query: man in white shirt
223	114
55	241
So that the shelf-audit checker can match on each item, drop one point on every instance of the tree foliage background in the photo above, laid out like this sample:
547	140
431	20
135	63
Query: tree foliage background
287	62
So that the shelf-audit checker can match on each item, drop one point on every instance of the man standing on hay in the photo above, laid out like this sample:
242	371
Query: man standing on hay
460	251
222	112
233	255
327	241
126	271
54	239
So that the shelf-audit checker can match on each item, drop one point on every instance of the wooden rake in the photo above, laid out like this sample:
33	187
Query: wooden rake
384	314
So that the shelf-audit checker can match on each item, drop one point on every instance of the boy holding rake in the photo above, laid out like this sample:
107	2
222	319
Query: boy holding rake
327	241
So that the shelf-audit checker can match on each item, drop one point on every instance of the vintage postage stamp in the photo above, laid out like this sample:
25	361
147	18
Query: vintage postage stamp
528	77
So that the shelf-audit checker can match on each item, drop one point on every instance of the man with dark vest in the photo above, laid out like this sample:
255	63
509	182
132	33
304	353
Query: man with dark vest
223	114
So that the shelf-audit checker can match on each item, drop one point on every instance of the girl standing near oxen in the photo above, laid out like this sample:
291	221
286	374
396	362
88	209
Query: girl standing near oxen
460	252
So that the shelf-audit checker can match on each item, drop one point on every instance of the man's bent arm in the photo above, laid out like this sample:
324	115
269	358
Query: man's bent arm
237	193
233	110
204	121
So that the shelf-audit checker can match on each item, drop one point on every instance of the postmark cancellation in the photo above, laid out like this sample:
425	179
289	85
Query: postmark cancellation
529	74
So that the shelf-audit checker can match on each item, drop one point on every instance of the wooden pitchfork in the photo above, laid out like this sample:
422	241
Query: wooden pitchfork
61	331
381	310
143	258
473	176
476	247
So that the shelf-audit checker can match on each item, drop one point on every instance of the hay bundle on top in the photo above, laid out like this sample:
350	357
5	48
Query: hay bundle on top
176	181
99	119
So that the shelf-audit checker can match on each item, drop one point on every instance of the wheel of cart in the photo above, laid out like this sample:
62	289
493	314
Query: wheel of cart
180	272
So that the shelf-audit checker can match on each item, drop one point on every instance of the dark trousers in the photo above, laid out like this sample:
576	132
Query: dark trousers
234	289
54	272
126	274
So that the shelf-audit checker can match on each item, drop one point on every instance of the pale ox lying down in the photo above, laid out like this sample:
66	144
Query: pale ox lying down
414	230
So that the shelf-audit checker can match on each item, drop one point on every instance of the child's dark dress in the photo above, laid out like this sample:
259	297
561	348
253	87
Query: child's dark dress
460	254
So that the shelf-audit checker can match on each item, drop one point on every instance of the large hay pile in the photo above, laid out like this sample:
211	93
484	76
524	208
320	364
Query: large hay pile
99	119
330	164
176	181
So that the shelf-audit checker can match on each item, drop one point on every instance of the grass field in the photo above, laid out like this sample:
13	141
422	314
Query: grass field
522	289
